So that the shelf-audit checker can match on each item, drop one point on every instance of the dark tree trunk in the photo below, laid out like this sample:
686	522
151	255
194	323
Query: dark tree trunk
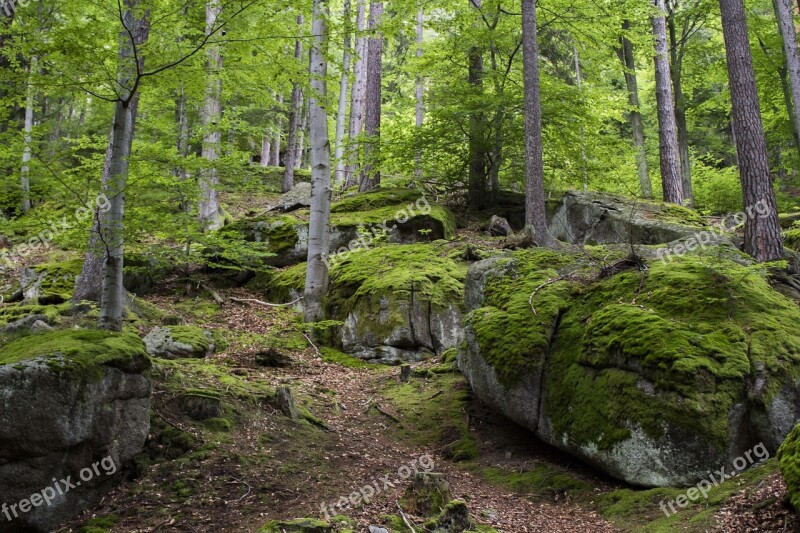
677	48
476	182
783	13
762	232
535	213
371	176
667	130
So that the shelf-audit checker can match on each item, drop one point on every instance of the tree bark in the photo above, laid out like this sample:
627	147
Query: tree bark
301	134
667	130
319	224
420	93
476	180
357	97
579	84
24	174
762	233
290	159
676	70
370	175
275	160
209	213
625	53
783	13
266	150
341	115
535	212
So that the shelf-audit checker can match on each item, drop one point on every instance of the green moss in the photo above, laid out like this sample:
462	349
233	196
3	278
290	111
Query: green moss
298	525
375	199
12	312
692	329
218	425
543	481
79	350
791	237
330	355
676	214
278	231
178	375
99	525
789	460
444	221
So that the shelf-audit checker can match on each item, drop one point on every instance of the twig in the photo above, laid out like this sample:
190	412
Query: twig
405	519
386	414
545	284
259	302
435	395
312	344
217	298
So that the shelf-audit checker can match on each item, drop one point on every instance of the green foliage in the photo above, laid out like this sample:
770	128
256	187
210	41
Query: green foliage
717	189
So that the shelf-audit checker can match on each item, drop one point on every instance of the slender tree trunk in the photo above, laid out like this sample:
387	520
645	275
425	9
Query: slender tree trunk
579	84
182	138
357	97
319	225
301	134
370	175
209	213
276	149
625	53
24	175
788	104
783	12
676	70
266	150
341	115
762	232
667	130
290	160
476	180
420	95
535	212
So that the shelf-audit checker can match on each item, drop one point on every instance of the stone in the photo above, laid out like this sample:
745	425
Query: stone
40	325
428	495
24	323
201	405
285	402
298	198
376	529
178	342
499	227
453	519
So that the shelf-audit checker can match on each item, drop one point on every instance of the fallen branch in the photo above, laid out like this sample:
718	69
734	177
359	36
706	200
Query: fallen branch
267	304
386	414
214	294
545	284
405	519
312	344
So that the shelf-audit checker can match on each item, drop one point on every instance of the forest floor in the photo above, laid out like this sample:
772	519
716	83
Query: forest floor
362	427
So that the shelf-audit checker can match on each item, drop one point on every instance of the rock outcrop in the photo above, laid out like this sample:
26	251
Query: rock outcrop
74	409
177	342
656	373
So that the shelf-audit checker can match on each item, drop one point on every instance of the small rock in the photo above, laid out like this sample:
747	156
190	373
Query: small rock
201	406
376	529
40	325
499	227
297	198
285	402
23	323
177	342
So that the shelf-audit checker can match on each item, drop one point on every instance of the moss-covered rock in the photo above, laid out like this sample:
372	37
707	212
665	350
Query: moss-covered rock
298	525
397	303
789	461
175	342
69	400
655	375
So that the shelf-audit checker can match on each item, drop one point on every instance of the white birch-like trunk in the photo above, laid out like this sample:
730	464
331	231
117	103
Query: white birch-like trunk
357	96
24	174
295	111
208	208
341	115
420	111
266	151
319	225
783	12
275	159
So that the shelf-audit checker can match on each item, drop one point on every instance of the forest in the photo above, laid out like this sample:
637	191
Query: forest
332	266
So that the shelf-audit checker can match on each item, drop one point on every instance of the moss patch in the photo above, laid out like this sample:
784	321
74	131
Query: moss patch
543	481
375	199
789	460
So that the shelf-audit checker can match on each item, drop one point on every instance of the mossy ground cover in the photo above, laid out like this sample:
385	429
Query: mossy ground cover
789	460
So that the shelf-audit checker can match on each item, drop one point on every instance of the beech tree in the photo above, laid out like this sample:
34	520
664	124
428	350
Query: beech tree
341	114
290	160
762	232
357	95
786	26
371	174
319	225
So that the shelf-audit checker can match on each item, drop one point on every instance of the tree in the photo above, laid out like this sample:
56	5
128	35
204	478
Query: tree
667	130
208	208
295	111
783	13
28	128
275	159
420	93
357	95
371	174
341	115
625	53
319	225
762	233
535	213
476	181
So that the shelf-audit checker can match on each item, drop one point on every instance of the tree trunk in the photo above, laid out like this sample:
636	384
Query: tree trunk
208	207
476	180
579	85
182	141
788	104
357	97
370	175
319	224
762	233
676	70
301	133
24	174
341	115
290	159
420	95
783	12
276	146
667	130
535	213
625	53
266	150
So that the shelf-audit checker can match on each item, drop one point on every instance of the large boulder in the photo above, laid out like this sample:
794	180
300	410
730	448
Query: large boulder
178	342
397	303
656	373
400	216
74	411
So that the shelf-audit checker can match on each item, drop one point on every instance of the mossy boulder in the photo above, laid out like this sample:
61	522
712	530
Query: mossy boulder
69	400
396	302
655	374
48	283
176	342
298	525
789	461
